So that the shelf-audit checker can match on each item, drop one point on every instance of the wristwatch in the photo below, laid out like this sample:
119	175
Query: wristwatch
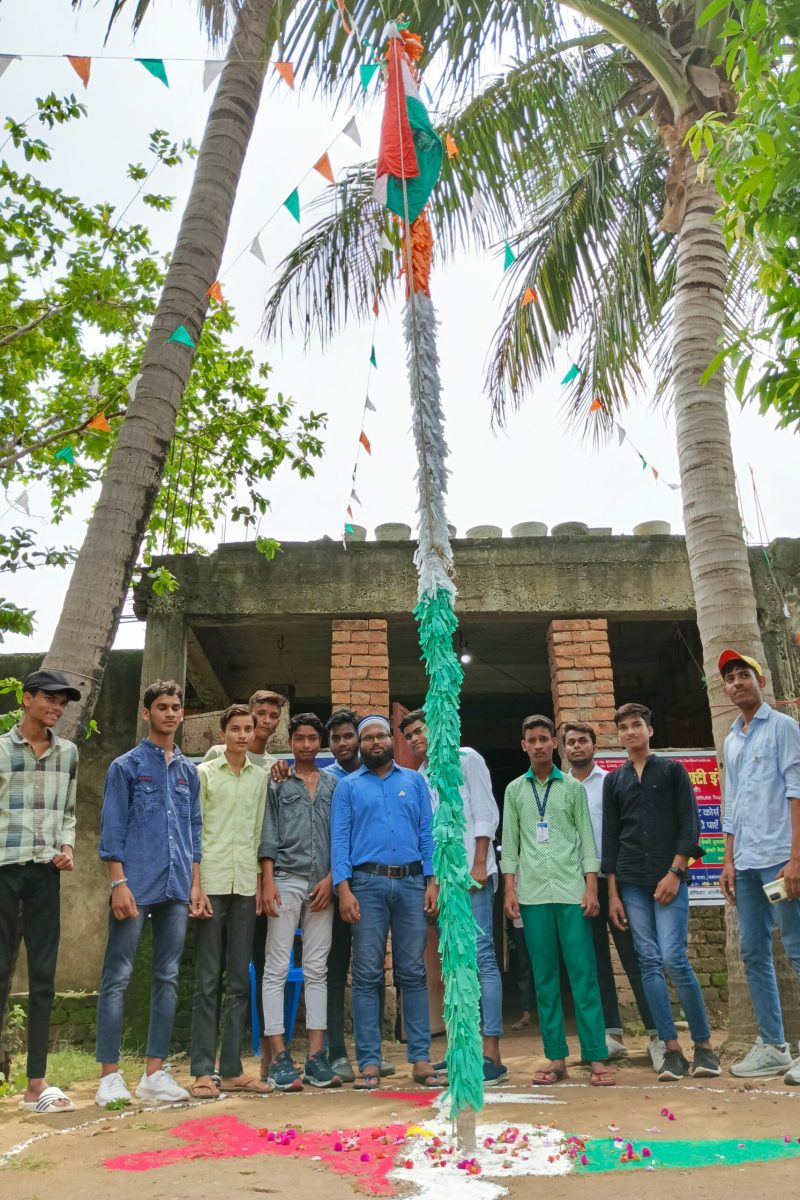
679	871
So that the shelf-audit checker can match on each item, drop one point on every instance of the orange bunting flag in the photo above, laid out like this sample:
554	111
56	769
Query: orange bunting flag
596	405
365	442
450	146
215	292
529	297
655	474
323	165
343	12
286	72
100	423
349	510
82	66
376	308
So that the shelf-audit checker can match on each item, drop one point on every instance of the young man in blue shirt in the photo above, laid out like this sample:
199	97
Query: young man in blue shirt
150	832
382	853
762	843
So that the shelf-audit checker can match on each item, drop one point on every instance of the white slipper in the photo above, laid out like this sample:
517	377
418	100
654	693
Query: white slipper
48	1102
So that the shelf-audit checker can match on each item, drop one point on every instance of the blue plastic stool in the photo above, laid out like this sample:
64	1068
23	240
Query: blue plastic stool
291	999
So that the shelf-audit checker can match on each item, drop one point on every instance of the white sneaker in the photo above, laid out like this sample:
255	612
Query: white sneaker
615	1049
656	1049
792	1076
763	1060
161	1088
112	1087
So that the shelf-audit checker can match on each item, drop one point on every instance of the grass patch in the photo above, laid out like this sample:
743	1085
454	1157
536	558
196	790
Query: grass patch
30	1162
69	1065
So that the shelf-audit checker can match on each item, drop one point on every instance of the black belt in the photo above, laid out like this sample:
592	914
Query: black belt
373	868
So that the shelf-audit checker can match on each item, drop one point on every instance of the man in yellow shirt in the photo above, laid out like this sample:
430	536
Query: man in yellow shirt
233	793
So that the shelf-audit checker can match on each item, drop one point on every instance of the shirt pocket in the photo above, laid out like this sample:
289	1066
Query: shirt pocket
181	797
146	798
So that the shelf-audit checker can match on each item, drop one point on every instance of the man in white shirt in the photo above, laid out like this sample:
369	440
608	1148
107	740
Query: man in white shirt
482	818
580	742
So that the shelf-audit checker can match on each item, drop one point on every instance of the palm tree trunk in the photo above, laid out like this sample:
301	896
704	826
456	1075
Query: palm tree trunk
104	568
723	587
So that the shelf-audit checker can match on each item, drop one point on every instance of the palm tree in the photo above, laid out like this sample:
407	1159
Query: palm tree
581	146
104	567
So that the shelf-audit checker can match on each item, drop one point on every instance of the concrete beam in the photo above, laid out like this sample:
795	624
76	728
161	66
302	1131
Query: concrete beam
202	676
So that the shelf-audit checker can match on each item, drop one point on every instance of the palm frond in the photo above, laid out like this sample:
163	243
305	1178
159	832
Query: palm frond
216	16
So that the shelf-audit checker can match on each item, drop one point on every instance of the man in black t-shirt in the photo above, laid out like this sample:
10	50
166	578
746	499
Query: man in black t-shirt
650	831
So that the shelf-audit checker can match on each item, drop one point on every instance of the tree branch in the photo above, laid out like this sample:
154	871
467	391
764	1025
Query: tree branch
9	459
23	329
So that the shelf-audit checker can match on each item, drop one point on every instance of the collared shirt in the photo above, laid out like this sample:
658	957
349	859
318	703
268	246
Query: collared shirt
762	774
151	823
37	798
383	819
481	813
550	872
647	823
296	833
593	786
337	771
232	807
264	760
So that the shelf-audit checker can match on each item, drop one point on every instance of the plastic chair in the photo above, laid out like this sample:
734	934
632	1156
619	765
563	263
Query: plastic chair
291	998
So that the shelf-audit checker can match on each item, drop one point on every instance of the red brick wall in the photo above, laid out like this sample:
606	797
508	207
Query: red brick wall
360	666
581	677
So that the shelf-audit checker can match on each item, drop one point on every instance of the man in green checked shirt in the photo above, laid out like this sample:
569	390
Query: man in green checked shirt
548	842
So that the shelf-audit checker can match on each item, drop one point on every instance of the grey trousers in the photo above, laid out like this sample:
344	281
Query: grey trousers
234	918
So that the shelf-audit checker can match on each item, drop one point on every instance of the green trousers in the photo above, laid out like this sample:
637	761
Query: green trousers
546	927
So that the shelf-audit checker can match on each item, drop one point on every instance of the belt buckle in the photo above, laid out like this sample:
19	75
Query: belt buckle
395	872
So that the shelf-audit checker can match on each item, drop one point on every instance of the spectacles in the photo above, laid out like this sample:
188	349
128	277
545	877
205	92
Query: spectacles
376	737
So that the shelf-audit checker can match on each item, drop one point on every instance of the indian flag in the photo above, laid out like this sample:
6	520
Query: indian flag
410	156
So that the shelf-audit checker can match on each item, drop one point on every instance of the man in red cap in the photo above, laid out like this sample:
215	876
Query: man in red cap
762	844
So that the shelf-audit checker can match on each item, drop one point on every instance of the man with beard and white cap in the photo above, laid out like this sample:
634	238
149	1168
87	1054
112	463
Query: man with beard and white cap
382	859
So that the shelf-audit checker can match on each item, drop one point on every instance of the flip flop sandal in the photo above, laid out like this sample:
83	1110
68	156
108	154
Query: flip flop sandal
602	1079
521	1025
429	1079
367	1083
555	1075
257	1087
50	1101
204	1091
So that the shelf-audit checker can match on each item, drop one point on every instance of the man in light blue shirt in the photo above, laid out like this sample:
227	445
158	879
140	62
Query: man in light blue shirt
762	843
382	861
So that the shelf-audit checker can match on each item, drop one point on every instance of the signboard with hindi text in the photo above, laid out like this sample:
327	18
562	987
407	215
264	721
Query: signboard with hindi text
703	771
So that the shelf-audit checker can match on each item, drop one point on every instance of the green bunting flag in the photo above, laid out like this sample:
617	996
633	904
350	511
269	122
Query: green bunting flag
66	454
182	337
156	68
292	203
372	358
367	73
348	528
571	374
510	257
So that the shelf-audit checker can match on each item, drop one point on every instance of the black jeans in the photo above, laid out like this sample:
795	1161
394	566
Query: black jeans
259	957
338	968
623	940
235	916
32	890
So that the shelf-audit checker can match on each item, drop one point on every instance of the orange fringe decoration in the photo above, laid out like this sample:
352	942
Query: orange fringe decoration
421	255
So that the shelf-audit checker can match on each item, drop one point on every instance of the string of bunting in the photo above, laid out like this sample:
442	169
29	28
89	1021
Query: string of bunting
363	441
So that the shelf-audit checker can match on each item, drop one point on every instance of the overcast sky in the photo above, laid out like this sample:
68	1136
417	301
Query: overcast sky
534	470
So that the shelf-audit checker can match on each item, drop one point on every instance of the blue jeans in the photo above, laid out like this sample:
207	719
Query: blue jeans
488	970
660	936
169	921
396	905
757	918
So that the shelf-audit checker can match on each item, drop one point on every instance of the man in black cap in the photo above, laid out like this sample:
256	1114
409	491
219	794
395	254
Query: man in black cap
38	778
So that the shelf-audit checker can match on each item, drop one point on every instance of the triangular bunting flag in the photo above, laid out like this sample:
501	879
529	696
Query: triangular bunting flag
94	389
82	67
348	528
286	72
354	496
369	405
376	307
131	387
292	203
211	71
156	68
367	73
6	61
385	243
621	434
349	510
478	206
373	358
529	297
100	423
22	502
66	454
674	487
256	251
365	442
571	374
351	130
655	474
644	461
596	405
215	292
323	165
450	145
182	337
509	257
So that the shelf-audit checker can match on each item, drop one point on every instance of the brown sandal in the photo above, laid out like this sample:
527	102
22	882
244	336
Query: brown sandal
367	1082
602	1078
257	1087
204	1088
549	1076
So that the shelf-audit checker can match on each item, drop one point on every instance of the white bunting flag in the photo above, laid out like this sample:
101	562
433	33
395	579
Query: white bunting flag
211	71
256	250
369	405
94	389
7	59
674	487
351	130
621	434
354	496
22	502
385	243
478	206
132	386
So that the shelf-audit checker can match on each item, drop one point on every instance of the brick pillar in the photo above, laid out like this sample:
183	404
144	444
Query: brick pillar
360	666
581	675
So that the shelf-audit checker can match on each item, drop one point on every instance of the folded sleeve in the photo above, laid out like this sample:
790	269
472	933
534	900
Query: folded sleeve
590	863
195	816
114	814
483	806
789	757
268	847
67	833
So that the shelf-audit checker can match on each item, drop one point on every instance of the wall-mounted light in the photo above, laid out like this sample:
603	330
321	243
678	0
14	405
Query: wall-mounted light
463	649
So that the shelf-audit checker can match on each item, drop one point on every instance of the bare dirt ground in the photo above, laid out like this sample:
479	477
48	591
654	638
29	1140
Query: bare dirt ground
70	1161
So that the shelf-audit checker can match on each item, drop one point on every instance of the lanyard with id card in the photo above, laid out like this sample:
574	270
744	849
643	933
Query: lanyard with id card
542	826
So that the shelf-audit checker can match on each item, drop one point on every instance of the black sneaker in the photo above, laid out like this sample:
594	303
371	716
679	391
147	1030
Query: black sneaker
675	1066
705	1062
319	1073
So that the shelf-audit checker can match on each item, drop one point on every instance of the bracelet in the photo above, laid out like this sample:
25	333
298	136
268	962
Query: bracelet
117	882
